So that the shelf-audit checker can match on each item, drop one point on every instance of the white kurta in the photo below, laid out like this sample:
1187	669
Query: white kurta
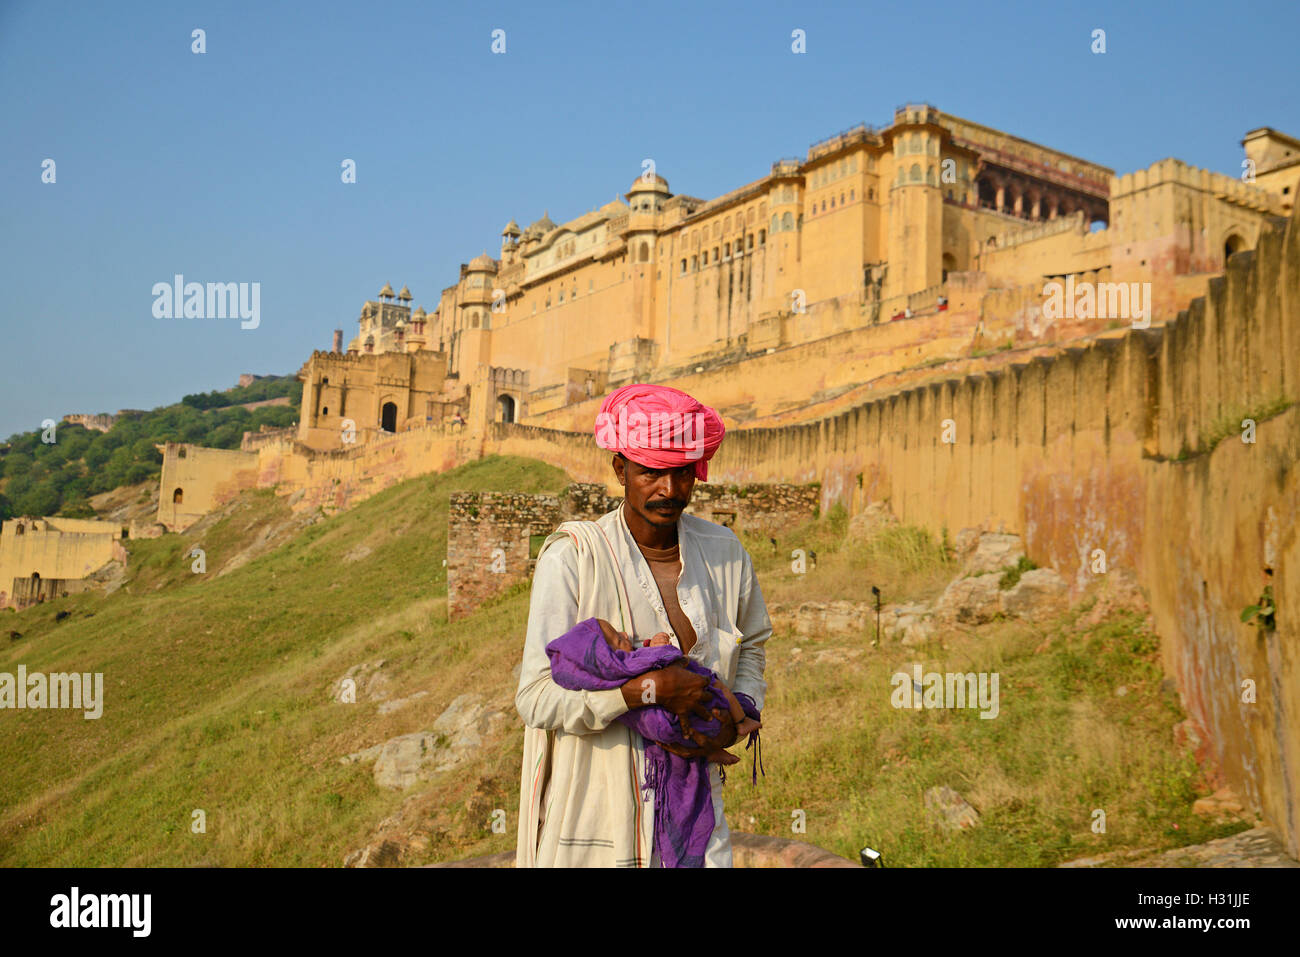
584	783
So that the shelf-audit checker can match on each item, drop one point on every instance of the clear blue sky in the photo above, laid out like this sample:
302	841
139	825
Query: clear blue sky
225	166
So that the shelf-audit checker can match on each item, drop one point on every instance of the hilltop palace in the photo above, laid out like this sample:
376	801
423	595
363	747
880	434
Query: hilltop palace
835	278
874	225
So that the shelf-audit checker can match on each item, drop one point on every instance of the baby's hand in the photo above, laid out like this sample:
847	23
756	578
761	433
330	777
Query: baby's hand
663	638
615	639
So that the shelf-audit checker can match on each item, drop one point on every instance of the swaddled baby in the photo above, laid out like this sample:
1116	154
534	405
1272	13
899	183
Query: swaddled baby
744	724
592	656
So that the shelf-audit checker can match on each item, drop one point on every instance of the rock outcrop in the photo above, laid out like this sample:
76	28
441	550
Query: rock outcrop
455	738
977	597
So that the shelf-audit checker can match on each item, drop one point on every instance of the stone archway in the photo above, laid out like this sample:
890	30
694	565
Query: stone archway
388	417
508	408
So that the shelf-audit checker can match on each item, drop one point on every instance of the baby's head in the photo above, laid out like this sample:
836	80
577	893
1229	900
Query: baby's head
615	639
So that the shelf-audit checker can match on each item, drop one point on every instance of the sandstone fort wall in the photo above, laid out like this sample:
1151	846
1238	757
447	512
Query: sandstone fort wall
1131	445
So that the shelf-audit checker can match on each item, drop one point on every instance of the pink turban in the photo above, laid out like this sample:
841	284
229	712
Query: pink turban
659	427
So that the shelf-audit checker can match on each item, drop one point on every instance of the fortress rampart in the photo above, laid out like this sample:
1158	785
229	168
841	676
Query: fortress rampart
1177	173
1132	445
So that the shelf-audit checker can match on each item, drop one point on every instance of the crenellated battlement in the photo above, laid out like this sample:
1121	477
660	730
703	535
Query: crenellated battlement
1175	172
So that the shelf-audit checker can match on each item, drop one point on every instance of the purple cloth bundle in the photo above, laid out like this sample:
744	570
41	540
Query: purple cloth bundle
581	660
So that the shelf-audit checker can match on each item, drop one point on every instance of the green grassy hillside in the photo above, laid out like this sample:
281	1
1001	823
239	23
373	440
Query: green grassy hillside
218	699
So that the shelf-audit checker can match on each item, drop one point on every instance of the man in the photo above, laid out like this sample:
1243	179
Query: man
643	568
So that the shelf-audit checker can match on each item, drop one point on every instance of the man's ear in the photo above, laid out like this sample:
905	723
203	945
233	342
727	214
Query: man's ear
617	462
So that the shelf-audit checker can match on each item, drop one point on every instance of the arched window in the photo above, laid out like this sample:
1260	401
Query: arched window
180	453
787	221
1233	244
695	263
762	237
178	496
915	174
644	254
929	175
949	265
683	267
388	417
775	223
749	242
21	529
715	254
749	216
850	196
325	411
914	143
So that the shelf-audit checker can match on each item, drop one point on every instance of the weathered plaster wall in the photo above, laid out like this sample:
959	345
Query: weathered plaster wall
205	478
55	549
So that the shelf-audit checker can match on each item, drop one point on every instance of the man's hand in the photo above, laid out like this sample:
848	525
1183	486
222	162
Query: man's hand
725	738
675	688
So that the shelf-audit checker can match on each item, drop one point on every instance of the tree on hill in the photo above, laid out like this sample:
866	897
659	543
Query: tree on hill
272	387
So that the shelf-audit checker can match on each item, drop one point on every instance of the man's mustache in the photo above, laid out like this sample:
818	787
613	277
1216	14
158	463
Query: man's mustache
666	503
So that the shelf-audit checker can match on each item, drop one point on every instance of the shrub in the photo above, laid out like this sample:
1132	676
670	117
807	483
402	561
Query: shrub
1011	574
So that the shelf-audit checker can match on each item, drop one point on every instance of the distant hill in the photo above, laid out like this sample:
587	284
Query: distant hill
39	478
